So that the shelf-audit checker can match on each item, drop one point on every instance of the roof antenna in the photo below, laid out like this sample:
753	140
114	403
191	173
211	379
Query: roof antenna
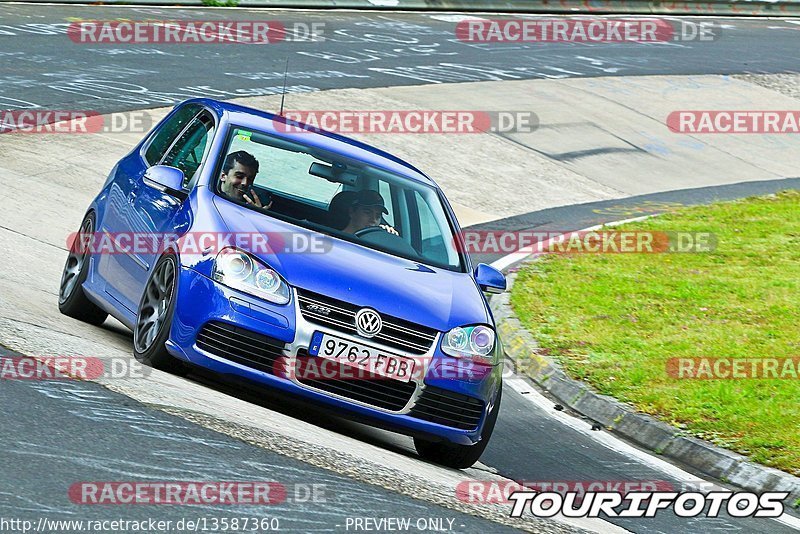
283	95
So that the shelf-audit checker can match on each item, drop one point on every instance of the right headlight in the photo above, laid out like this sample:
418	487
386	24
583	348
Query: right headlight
237	269
471	342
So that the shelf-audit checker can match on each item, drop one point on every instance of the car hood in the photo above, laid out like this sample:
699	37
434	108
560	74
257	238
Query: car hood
433	297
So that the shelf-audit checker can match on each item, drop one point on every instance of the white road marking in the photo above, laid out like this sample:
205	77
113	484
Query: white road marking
455	18
557	69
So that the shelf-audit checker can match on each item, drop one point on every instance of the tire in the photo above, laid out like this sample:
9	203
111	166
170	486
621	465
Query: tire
154	317
72	301
459	456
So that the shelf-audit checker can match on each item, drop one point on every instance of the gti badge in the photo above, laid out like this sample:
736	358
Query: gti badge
368	322
316	308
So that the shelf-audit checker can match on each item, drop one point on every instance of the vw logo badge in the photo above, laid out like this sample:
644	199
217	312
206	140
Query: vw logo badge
368	322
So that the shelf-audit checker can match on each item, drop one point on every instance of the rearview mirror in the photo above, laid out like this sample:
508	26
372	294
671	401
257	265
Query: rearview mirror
490	279
333	173
166	179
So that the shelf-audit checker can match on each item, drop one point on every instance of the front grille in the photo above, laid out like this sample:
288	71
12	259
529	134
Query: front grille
448	408
240	345
372	389
340	315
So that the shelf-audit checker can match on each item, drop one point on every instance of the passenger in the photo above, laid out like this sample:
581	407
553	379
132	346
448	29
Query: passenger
238	174
367	210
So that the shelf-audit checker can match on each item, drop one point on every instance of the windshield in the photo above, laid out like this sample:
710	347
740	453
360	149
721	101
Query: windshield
338	196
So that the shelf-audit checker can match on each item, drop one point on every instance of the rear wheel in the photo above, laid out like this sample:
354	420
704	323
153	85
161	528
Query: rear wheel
455	455
72	300
154	317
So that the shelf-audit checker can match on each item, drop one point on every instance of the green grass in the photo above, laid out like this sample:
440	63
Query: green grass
220	3
614	320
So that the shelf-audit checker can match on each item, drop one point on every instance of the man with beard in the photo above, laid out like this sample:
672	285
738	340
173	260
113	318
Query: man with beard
238	174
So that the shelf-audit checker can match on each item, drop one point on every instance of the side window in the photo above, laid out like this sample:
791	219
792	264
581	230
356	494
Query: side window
433	245
168	131
386	193
187	152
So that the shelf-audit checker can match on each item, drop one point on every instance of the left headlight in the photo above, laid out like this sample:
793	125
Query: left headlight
473	342
239	270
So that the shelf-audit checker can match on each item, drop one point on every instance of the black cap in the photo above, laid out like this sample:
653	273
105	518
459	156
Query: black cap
369	198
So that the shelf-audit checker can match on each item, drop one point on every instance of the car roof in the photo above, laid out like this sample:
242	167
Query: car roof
264	121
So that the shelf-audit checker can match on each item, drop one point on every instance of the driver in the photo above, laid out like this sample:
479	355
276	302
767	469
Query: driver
238	174
367	210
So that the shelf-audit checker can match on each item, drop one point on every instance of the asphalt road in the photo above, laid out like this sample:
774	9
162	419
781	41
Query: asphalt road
64	432
60	434
43	67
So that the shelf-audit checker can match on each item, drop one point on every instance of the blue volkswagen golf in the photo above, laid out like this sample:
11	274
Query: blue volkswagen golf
299	260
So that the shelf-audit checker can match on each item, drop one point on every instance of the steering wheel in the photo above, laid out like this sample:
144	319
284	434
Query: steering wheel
369	230
387	241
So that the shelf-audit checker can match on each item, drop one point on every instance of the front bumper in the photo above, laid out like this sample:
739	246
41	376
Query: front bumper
201	300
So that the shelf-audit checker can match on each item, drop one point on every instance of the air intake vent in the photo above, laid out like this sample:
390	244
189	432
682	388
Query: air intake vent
448	408
240	345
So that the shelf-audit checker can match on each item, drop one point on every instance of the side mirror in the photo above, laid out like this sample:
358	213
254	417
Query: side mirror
490	279
166	179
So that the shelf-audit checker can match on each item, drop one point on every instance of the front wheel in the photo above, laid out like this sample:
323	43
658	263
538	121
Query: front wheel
154	318
72	300
455	455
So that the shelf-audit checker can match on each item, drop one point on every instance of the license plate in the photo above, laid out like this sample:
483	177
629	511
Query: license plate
361	356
